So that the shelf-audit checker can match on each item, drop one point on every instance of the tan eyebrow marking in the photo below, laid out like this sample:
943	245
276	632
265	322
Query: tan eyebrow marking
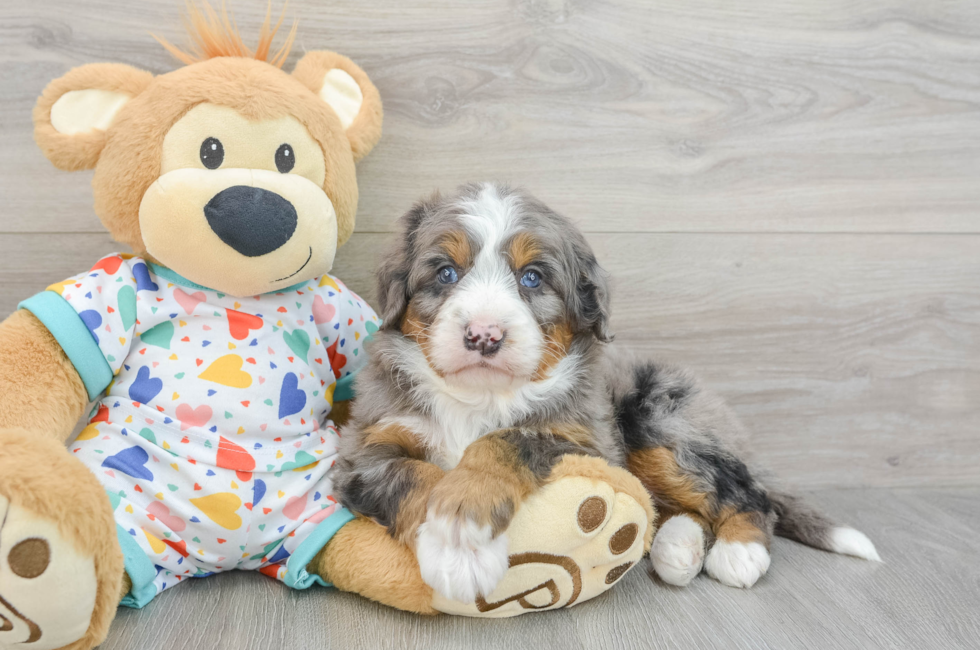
457	246
523	249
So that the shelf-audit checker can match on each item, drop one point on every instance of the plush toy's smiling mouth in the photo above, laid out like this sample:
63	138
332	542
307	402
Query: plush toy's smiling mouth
6	625
308	258
217	247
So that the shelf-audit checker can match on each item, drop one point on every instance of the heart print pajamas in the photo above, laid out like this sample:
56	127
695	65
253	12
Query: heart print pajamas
213	438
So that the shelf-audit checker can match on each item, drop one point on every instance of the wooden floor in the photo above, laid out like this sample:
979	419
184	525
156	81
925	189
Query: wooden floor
925	595
788	197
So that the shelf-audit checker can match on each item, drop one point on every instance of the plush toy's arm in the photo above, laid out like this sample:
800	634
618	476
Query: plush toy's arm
40	390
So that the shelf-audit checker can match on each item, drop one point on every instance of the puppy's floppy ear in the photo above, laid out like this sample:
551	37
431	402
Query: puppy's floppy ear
74	112
347	90
393	295
592	299
393	275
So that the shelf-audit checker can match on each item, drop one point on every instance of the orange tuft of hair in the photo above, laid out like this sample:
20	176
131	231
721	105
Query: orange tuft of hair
213	36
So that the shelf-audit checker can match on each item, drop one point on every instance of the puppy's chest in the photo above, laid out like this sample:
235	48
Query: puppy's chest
448	433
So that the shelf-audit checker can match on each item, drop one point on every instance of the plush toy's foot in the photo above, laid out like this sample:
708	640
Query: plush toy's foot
570	541
60	565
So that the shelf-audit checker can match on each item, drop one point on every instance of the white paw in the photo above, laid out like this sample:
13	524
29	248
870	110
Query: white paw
460	559
678	550
737	564
853	542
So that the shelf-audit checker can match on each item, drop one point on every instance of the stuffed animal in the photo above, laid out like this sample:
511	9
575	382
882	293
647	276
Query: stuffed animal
220	356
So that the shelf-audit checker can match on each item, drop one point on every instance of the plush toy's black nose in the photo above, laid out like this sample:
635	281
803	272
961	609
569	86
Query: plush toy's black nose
251	220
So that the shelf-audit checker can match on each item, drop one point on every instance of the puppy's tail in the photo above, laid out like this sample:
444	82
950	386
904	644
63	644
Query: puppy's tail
802	523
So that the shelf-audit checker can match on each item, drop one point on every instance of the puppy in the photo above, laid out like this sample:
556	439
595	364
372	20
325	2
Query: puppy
494	361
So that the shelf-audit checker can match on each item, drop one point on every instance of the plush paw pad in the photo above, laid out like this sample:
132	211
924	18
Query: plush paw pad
569	542
460	559
678	550
737	564
47	590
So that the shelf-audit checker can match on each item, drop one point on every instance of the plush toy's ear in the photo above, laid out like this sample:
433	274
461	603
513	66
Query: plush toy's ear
347	90
74	111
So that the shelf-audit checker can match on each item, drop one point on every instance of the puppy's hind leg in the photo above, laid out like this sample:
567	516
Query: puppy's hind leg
740	554
679	548
725	505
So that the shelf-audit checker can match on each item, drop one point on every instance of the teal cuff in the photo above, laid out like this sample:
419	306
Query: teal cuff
345	387
296	575
74	337
141	571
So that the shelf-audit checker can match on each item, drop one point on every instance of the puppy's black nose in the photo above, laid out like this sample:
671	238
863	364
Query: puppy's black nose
251	220
486	339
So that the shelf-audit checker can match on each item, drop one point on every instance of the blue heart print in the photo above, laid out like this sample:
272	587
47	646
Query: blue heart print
131	462
92	320
291	399
145	388
143	281
258	491
281	555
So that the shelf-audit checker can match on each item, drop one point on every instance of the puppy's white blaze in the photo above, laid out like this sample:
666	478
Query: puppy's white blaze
737	564
678	550
488	291
460	559
853	542
489	216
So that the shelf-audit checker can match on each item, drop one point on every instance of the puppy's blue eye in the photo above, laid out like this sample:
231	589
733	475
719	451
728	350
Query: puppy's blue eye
531	279
447	275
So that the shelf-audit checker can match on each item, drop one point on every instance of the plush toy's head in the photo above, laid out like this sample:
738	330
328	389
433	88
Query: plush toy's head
233	173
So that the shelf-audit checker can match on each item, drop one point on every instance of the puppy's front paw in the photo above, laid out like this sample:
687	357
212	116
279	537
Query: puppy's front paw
737	564
460	558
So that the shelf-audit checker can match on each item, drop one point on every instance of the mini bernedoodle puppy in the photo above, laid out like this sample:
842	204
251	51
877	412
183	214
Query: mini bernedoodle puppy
494	360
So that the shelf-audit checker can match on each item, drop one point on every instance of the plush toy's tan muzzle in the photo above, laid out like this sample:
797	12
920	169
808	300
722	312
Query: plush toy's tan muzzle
242	231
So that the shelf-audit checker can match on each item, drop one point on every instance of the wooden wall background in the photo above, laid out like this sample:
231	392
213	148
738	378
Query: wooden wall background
787	192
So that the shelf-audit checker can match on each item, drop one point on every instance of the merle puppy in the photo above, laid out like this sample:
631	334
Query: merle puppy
493	362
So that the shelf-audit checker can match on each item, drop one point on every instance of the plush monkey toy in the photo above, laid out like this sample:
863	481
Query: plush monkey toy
219	357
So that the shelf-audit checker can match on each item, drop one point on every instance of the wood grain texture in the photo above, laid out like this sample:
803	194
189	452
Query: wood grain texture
628	115
786	194
855	359
924	596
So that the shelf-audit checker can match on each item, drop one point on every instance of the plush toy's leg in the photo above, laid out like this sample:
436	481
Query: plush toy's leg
61	570
362	557
570	541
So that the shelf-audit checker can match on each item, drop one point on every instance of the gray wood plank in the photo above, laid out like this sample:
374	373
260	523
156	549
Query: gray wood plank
629	115
924	596
855	359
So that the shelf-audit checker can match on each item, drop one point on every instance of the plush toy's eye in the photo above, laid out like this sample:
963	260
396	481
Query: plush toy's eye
285	158
448	275
531	279
212	153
